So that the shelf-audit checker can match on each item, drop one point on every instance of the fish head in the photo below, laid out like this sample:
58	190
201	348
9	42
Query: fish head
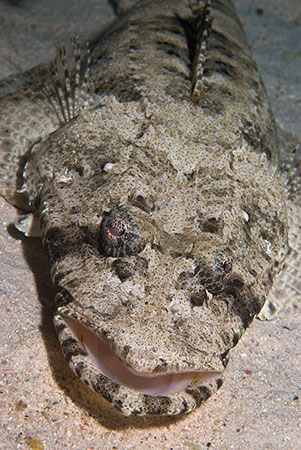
156	314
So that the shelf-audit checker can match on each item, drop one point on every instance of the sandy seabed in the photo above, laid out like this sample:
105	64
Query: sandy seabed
42	404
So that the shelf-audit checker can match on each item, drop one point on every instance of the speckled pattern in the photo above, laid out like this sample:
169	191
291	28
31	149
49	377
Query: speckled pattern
188	432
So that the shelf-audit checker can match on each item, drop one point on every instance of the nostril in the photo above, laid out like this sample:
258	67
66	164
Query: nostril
198	297
123	269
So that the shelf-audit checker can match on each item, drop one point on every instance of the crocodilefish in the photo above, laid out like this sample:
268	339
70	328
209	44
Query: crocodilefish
148	162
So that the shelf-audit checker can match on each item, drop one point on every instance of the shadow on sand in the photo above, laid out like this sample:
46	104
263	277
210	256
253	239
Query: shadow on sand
94	405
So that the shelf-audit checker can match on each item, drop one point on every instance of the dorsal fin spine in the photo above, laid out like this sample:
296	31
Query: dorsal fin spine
77	57
86	98
48	93
66	90
203	22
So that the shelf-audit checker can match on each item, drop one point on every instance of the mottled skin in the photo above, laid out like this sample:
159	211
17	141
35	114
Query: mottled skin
172	133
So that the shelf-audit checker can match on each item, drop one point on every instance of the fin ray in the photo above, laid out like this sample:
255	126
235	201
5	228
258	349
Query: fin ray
33	105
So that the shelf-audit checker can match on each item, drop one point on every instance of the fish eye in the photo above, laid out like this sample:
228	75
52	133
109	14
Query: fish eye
119	234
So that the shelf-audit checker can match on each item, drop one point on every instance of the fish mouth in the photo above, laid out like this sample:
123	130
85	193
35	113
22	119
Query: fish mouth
112	367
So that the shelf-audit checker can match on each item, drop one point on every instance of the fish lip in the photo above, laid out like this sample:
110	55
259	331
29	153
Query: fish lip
88	316
118	372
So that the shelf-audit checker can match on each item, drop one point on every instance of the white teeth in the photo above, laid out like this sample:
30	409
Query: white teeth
112	367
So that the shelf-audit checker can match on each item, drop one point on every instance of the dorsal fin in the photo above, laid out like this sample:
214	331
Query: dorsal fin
202	22
69	72
36	103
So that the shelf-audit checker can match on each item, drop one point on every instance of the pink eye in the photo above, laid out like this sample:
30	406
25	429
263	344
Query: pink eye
119	234
115	232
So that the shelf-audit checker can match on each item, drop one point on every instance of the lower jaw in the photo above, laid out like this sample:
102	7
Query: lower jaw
111	366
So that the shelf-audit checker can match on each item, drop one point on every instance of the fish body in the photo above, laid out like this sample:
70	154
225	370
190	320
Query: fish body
151	161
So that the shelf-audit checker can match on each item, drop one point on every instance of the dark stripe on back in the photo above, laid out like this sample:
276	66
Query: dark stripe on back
224	7
218	41
222	67
172	49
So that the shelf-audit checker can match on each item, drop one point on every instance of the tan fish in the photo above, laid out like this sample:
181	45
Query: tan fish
150	162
